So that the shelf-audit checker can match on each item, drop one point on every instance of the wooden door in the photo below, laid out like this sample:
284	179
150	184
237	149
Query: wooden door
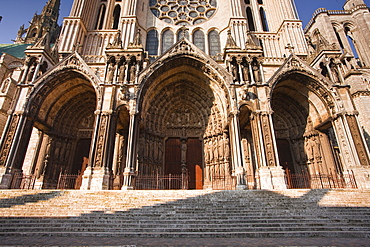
173	156
194	163
194	160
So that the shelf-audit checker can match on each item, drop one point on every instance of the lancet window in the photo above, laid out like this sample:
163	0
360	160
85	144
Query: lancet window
250	19
198	40
167	40
214	43
116	16
152	42
265	26
101	16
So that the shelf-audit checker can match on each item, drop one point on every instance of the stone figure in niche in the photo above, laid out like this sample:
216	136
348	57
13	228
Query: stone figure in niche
183	151
31	72
43	67
137	39
111	70
226	146
206	151
309	149
235	71
221	152
334	71
122	72
324	70
246	72
132	72
256	71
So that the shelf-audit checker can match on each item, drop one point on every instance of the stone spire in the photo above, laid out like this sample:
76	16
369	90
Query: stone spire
47	21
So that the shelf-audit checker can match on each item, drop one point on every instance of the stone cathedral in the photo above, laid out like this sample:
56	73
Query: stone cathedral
230	90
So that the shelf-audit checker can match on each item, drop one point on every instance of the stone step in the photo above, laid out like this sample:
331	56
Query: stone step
246	234
288	213
200	215
181	225
188	221
179	228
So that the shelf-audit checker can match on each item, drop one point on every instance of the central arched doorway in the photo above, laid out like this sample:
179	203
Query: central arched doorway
183	126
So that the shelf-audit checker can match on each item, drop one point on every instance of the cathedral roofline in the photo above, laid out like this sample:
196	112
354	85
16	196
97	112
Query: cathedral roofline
319	11
15	50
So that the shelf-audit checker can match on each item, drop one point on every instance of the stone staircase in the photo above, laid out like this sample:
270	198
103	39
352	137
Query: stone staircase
197	213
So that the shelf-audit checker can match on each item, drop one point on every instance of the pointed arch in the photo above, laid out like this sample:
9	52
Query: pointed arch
116	16
250	19
302	120
263	17
177	99
100	17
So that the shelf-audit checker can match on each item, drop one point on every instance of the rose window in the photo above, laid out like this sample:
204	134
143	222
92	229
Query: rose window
183	12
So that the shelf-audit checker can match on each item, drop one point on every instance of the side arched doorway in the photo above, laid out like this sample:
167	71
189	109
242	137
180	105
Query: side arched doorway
183	127
305	138
64	123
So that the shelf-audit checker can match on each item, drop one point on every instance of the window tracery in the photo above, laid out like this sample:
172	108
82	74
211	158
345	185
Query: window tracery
183	12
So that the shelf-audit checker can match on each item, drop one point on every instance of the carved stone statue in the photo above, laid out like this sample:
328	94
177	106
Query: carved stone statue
334	71
256	71
111	70
246	72
31	72
234	71
122	73
324	70
132	72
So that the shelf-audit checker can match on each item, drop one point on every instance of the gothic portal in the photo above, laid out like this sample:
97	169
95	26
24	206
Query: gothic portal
216	94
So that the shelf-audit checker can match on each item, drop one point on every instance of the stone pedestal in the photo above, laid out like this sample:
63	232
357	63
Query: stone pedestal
240	179
272	178
95	179
39	183
128	177
5	178
362	176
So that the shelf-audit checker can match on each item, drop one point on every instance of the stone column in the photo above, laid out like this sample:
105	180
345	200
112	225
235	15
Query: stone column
129	172
13	147
236	156
272	174
97	174
118	160
354	152
251	72
42	160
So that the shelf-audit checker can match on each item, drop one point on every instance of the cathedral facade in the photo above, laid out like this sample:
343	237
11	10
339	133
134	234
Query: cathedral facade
217	90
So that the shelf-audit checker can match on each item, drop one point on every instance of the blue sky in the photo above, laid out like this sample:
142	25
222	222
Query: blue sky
18	12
